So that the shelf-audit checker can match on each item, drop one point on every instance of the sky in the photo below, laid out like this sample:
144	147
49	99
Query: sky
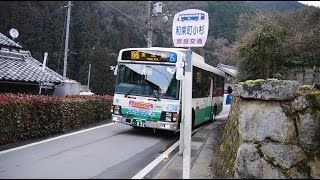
313	3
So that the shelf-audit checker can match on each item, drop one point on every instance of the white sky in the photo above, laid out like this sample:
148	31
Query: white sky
313	3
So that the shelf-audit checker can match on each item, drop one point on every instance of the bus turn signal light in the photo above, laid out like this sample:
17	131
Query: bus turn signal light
174	117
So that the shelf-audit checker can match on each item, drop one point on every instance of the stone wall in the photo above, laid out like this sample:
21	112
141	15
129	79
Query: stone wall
273	131
305	74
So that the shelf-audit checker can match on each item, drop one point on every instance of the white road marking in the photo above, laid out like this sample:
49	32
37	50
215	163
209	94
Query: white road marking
52	139
155	162
222	116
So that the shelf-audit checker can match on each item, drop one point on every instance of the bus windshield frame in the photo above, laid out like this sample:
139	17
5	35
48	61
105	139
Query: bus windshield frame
148	80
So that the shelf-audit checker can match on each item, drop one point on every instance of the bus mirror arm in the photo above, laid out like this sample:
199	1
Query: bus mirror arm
179	67
114	69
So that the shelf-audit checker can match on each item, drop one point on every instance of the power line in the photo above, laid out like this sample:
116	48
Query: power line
99	38
123	13
54	13
158	32
141	25
208	51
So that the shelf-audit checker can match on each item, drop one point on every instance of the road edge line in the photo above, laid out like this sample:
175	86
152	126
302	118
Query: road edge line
52	139
155	162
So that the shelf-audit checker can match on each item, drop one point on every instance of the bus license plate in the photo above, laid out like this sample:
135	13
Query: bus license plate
139	122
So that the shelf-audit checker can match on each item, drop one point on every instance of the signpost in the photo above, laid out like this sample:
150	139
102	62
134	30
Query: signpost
190	29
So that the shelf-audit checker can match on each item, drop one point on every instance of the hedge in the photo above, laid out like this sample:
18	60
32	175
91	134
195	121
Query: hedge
31	116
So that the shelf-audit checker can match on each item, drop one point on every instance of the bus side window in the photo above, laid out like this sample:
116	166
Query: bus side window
206	85
214	80
172	89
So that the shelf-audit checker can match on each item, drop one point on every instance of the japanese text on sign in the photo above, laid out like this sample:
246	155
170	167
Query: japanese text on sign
190	28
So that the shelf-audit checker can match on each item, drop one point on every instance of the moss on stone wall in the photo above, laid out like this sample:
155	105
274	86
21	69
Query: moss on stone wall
231	139
287	108
230	143
314	99
305	89
302	167
253	82
273	79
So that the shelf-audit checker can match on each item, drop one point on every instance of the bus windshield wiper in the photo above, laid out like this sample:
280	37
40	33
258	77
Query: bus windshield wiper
141	82
134	87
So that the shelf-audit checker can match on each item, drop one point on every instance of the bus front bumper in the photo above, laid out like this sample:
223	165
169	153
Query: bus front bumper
170	126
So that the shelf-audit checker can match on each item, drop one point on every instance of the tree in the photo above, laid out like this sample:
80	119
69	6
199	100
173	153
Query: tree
263	56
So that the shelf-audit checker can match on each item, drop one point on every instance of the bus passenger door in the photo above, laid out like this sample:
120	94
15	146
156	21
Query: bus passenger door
208	101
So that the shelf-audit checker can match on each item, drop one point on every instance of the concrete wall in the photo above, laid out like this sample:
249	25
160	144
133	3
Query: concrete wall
273	132
305	74
67	88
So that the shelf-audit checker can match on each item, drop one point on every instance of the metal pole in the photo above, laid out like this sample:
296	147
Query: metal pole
66	44
181	146
40	88
149	39
188	114
43	68
89	75
44	61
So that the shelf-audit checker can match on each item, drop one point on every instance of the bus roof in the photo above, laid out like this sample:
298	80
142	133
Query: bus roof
197	60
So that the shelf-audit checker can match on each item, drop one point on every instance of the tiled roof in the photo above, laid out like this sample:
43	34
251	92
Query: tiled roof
4	40
233	71
22	67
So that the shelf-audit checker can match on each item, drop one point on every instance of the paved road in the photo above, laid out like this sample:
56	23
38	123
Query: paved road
108	151
113	151
204	144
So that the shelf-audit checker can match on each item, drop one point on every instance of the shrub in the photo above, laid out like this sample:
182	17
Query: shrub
31	116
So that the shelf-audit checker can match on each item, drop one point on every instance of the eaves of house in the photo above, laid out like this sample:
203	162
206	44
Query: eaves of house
19	66
231	70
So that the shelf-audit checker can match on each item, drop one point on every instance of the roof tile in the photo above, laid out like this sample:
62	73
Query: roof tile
4	40
26	70
21	66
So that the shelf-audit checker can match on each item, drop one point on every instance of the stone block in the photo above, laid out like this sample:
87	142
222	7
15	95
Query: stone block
259	120
268	90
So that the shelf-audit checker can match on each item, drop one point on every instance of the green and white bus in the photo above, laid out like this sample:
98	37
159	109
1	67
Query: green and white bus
147	93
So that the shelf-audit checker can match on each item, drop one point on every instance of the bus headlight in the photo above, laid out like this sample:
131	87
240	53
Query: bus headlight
170	116
116	109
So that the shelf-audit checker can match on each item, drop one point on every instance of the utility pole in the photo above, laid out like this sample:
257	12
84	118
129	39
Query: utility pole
67	38
89	76
149	26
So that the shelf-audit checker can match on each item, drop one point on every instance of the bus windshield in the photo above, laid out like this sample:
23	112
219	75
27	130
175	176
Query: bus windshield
147	80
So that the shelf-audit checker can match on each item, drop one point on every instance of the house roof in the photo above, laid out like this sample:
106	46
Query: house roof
20	66
5	41
232	70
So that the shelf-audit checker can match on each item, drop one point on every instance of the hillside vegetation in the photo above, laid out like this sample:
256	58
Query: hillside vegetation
98	30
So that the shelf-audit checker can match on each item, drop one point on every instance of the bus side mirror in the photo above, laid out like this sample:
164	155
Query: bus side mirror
114	69
179	71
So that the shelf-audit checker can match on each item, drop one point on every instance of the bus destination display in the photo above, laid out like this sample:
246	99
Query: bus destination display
155	56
